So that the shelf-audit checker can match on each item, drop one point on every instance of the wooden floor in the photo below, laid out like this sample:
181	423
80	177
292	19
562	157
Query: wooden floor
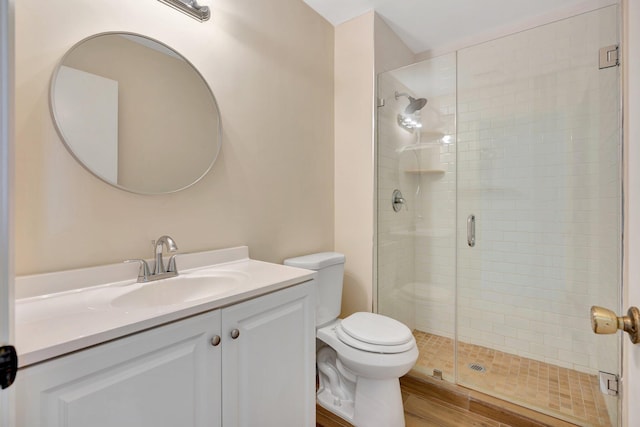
433	403
421	412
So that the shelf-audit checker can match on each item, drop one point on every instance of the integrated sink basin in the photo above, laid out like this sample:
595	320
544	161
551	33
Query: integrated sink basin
181	289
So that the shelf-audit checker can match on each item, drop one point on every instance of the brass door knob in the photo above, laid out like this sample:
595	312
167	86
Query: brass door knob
605	321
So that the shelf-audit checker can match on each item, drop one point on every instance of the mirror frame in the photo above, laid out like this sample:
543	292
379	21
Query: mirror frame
63	139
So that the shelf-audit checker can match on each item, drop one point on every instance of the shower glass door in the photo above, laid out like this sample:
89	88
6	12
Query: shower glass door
539	150
416	154
507	225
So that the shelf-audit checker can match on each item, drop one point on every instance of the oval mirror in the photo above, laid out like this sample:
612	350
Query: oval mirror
135	113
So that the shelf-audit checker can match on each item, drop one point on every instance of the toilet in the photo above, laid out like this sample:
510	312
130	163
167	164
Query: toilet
360	358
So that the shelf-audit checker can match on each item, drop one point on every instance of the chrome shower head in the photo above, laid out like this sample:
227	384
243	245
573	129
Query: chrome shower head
414	104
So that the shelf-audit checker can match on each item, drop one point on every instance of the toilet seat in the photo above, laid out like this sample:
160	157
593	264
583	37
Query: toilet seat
375	333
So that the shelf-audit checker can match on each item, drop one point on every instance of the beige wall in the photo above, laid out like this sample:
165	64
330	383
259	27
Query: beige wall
354	86
363	47
391	52
270	65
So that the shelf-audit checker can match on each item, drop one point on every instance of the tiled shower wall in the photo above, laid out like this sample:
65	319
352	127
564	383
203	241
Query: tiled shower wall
538	165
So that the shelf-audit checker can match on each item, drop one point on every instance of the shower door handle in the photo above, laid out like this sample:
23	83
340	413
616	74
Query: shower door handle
471	230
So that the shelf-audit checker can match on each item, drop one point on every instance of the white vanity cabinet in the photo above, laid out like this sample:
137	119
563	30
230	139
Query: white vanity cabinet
268	371
167	376
174	376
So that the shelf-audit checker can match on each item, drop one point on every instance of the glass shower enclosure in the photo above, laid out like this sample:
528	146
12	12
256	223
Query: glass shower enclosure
499	214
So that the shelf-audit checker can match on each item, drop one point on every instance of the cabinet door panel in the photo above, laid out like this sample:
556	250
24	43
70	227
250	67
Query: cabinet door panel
168	376
269	369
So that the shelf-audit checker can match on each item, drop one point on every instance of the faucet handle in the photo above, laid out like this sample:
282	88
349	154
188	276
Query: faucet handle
144	272
172	268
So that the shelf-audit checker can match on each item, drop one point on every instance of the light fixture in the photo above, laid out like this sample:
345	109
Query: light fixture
190	7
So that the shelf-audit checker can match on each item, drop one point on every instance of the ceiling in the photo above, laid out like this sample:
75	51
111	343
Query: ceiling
426	25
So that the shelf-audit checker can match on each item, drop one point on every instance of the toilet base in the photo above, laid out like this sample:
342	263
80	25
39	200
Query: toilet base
378	403
342	408
337	388
364	402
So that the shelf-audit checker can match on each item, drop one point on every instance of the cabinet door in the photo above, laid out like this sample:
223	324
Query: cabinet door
165	377
268	373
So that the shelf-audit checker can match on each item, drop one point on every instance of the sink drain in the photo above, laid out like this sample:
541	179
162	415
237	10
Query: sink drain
477	367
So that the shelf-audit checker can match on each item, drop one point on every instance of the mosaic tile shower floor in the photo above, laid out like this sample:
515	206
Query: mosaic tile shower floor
565	393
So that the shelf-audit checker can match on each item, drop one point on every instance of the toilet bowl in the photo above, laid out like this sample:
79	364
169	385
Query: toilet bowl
376	361
367	392
359	358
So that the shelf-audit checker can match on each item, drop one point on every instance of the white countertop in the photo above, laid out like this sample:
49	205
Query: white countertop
72	317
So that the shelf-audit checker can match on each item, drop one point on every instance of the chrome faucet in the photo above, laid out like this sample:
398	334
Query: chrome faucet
159	272
171	247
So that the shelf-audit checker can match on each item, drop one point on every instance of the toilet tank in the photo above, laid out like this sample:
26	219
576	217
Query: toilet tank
330	268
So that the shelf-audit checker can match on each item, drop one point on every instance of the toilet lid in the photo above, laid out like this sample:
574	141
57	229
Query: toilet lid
373	348
375	329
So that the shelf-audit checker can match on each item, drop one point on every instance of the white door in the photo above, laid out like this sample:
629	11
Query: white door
631	62
6	264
